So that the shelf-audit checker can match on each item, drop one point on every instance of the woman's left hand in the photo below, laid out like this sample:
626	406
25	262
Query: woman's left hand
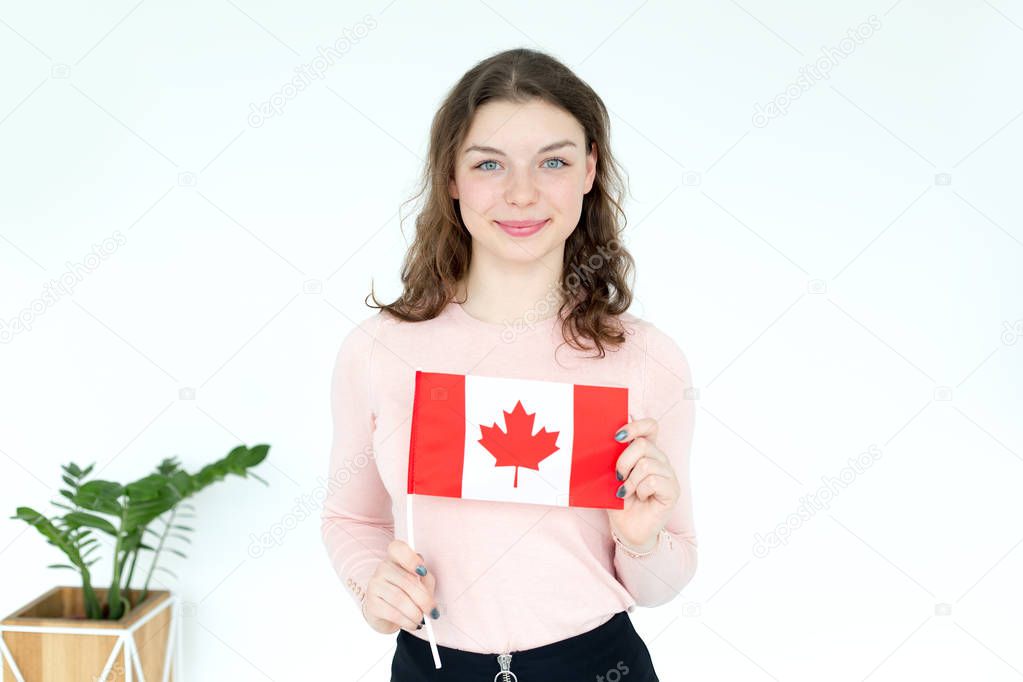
651	487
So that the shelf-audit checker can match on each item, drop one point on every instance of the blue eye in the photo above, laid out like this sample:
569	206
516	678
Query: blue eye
560	160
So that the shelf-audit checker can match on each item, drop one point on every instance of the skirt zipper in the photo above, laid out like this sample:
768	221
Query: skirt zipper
506	675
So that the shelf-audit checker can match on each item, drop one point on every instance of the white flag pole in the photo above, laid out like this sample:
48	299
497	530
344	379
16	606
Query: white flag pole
426	618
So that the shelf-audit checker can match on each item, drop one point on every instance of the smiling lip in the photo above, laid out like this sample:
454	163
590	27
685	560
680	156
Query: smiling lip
521	228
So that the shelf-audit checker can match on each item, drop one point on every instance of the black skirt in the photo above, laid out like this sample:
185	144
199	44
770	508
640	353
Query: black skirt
611	652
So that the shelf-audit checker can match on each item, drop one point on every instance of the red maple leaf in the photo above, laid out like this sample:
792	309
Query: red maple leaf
519	447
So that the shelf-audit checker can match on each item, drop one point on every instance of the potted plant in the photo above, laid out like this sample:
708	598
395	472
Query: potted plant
90	633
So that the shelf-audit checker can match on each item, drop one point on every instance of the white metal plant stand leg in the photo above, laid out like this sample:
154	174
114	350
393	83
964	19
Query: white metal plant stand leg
125	641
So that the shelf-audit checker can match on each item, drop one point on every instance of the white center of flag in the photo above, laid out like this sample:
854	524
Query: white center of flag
549	408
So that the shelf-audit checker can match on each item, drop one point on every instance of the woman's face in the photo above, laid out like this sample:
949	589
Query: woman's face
522	162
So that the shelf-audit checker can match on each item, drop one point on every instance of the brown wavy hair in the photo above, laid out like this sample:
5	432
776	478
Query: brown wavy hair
596	269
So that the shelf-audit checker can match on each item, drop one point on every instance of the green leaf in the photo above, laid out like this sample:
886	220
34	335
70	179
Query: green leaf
77	519
178	552
236	462
139	514
168	466
146	488
49	531
257	454
182	483
62	566
101	496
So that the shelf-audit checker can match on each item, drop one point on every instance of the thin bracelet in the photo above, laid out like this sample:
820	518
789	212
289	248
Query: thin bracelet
633	553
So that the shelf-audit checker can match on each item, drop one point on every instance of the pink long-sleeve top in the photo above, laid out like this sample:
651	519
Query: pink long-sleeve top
510	576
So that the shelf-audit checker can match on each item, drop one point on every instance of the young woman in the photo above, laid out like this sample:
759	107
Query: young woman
516	271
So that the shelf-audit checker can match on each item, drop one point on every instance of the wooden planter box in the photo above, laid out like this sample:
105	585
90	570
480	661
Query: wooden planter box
50	640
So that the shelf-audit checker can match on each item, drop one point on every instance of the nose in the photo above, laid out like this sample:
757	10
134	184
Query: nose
521	188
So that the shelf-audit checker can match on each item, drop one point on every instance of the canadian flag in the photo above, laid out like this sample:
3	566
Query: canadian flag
516	440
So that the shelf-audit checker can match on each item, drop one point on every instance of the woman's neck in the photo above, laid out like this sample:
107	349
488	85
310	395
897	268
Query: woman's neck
509	300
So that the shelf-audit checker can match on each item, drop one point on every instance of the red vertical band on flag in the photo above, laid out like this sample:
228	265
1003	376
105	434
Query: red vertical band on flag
599	412
437	443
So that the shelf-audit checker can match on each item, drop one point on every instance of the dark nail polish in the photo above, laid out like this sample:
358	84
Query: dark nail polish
420	569
422	621
435	614
420	626
621	490
618	475
620	436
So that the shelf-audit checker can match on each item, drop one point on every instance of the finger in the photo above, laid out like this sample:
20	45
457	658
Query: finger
654	487
394	605
414	589
636	450
429	583
403	555
377	606
646	427
645	466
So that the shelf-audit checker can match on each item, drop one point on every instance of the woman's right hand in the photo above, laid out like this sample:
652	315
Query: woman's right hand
397	596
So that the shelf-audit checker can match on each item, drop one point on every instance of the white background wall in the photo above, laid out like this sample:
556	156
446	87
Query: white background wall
844	277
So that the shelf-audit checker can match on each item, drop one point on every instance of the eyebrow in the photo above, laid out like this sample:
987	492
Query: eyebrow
549	148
